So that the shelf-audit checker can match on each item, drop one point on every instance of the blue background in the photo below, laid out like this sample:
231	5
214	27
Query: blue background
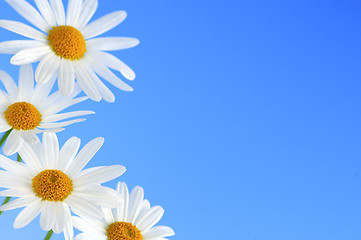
245	119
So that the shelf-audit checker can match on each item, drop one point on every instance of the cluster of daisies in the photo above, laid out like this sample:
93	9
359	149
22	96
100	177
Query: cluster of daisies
48	179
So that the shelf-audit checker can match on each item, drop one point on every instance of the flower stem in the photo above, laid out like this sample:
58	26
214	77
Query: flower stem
7	199
2	140
48	236
5	136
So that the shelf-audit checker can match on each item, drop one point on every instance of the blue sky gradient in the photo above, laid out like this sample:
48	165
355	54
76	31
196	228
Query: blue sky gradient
245	119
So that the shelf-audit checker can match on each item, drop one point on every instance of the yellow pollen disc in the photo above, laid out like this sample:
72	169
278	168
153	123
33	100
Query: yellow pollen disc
22	116
123	231
52	185
67	42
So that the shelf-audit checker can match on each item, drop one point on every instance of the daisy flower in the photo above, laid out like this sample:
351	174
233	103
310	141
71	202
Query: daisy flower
67	47
133	219
28	110
51	182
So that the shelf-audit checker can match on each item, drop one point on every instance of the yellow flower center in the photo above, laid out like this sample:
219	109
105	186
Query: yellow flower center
67	42
123	231
23	115
52	185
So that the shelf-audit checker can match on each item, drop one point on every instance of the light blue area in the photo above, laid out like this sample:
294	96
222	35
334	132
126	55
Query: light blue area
245	119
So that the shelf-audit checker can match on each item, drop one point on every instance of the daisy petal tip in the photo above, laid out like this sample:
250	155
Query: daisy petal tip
80	120
100	140
136	42
111	100
122	169
66	91
129	89
122	13
15	61
171	232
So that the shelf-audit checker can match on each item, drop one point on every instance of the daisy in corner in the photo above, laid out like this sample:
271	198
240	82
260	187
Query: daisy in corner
132	219
26	110
68	46
52	182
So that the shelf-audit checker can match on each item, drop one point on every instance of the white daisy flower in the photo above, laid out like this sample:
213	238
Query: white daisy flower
66	45
50	181
29	110
133	219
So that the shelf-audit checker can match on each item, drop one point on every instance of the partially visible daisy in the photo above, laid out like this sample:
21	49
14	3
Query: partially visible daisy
133	219
29	110
66	45
50	181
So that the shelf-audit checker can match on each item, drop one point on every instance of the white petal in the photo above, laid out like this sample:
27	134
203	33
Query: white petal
108	215
41	93
26	82
102	196
66	77
111	43
13	47
150	218
9	84
65	104
4	128
114	63
28	214
105	93
50	151
62	116
30	137
68	227
103	24
84	156
59	216
122	210
84	207
18	192
86	82
11	180
18	203
47	67
135	203
14	167
87	12
74	8
61	124
30	158
144	209
46	11
90	236
13	143
29	13
58	10
47	218
68	152
92	226
159	231
4	102
108	75
100	175
23	29
30	55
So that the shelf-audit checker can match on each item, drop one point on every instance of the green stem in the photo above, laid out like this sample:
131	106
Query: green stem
7	199
48	236
2	140
5	136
